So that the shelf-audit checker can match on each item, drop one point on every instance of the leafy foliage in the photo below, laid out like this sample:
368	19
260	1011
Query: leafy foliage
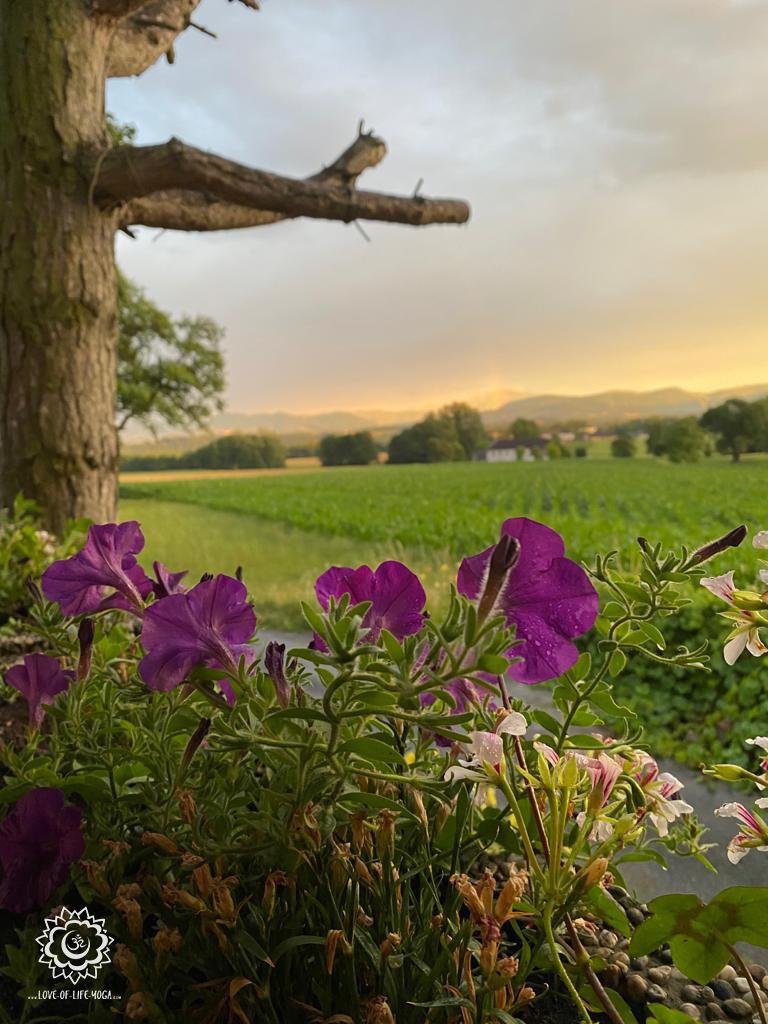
454	434
357	449
170	372
740	426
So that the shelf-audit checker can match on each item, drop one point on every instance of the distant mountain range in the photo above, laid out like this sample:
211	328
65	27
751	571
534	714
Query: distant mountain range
608	407
602	409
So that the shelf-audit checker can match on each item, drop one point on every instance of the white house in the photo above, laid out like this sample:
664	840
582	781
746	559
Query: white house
516	451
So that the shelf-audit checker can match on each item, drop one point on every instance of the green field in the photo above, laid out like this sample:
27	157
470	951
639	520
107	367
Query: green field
285	529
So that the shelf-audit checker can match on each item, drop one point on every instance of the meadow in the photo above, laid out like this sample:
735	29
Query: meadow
435	514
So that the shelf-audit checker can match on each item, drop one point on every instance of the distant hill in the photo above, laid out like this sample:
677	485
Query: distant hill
601	409
607	407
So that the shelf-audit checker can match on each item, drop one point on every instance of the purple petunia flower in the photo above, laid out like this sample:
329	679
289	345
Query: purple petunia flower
210	625
39	678
167	582
396	595
107	562
39	839
548	598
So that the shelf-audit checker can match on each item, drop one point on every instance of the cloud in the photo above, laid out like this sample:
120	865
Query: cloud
614	153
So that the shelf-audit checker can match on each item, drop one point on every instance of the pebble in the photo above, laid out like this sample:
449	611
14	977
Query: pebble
659	974
691	1011
665	956
728	973
635	915
656	994
692	994
612	975
741	985
764	982
604	952
588	939
607	938
637	988
639	963
722	989
738	1008
758	972
621	958
714	1012
707	994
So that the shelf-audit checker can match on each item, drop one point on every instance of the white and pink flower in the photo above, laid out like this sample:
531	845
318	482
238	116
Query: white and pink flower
753	831
486	748
661	789
744	632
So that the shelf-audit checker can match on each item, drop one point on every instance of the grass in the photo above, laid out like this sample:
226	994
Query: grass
280	562
285	528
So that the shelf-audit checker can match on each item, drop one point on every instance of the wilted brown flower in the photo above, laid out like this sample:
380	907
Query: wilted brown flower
162	842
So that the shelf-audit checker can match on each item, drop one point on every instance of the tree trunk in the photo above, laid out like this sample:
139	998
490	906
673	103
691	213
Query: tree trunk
58	326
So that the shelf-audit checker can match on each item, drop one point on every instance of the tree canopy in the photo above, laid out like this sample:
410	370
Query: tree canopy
453	434
357	449
680	440
739	426
169	372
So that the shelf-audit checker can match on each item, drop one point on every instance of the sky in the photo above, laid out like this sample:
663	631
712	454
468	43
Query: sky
614	153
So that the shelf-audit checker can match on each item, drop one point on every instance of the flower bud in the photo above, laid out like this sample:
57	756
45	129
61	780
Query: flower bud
727	772
379	1012
748	600
390	945
137	1006
274	663
85	634
504	558
94	872
131	911
167	940
386	834
186	805
161	841
732	539
195	740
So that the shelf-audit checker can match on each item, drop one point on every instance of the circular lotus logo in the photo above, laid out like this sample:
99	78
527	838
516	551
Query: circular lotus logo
74	945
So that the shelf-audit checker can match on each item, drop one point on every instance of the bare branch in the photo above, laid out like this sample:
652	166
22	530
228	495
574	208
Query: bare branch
129	173
182	210
143	37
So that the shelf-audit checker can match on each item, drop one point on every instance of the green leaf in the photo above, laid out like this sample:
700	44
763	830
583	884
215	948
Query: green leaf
701	957
445	1001
622	1008
286	714
295	942
493	663
653	634
373	750
607	909
617	663
392	647
376	800
743	914
667	1015
662	924
544	718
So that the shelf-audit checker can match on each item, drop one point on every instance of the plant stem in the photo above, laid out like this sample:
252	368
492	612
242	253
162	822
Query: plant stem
751	982
560	968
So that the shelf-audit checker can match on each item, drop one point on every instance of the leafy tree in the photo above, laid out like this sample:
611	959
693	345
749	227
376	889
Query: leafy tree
623	447
523	430
554	449
66	188
739	426
168	372
470	432
237	451
433	439
681	440
581	451
348	449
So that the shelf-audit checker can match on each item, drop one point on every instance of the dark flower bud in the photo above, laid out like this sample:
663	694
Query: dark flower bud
644	545
503	560
729	540
239	573
274	662
195	740
34	590
206	577
85	634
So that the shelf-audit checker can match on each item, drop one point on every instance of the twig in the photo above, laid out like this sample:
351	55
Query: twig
751	982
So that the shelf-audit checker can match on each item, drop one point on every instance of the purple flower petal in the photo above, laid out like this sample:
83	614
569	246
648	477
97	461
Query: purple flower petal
549	598
210	625
167	582
39	678
396	595
108	560
39	839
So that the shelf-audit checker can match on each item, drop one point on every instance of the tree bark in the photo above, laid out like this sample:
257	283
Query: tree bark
58	334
